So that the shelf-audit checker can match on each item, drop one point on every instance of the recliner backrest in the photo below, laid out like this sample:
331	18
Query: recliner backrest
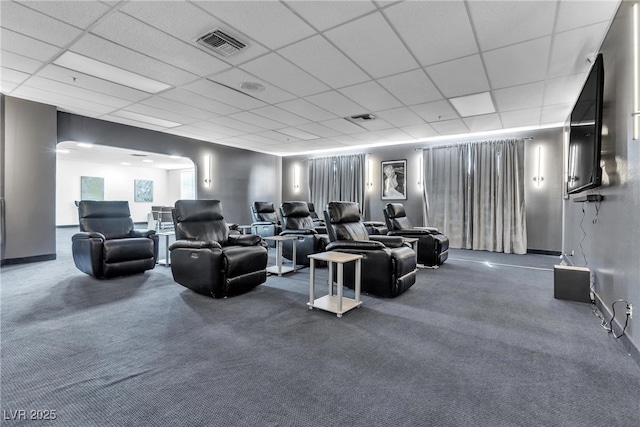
200	220
343	222
312	211
396	217
264	212
295	216
111	218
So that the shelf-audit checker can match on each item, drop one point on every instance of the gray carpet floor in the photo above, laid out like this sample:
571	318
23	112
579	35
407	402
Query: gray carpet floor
478	342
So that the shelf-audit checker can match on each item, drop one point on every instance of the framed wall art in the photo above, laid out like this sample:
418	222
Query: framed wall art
142	190
394	180
91	188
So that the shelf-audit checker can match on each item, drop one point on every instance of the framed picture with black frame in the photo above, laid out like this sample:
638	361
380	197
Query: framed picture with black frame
394	180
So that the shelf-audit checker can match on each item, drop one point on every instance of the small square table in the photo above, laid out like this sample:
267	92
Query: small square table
279	269
167	257
332	303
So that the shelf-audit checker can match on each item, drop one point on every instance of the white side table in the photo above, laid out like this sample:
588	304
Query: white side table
245	229
335	303
279	269
167	258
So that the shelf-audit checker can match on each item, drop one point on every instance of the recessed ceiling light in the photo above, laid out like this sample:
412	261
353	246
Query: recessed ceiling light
84	144
108	72
474	105
252	87
147	161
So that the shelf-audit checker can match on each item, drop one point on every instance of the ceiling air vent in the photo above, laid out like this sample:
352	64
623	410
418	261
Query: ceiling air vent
361	118
221	43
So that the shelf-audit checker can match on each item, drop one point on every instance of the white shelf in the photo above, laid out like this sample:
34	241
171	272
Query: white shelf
330	303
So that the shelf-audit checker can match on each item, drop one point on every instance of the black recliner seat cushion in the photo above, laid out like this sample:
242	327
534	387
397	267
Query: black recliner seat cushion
389	266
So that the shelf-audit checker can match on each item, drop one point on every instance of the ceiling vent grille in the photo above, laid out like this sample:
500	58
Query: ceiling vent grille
221	43
361	118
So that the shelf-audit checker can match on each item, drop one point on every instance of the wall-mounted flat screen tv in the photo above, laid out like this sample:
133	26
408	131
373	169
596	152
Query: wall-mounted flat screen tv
585	137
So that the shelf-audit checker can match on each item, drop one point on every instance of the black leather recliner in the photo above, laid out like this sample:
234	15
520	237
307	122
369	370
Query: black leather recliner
209	260
389	264
433	246
297	221
107	245
265	220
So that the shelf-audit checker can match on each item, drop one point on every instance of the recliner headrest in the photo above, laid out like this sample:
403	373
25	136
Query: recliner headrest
103	209
264	207
294	209
198	210
396	210
342	212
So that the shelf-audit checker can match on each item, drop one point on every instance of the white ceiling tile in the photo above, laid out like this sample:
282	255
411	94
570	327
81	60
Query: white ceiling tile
199	101
18	62
347	140
326	14
570	50
298	133
145	118
258	19
435	31
459	77
420	131
337	103
306	110
370	137
473	105
519	97
234	77
519	118
373	45
27	46
64	75
518	64
574	14
371	96
375	125
412	87
318	57
435	111
159	113
188	22
7	87
127	31
12	76
400	117
77	13
558	113
223	94
236	124
483	123
130	122
257	120
127	59
52	98
34	24
177	107
502	23
318	129
395	135
282	73
450	127
217	130
277	136
280	115
69	89
342	126
563	90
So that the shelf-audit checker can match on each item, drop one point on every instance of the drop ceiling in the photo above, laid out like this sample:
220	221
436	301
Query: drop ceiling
318	62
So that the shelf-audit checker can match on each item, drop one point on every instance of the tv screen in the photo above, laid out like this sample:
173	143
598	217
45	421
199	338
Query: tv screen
585	135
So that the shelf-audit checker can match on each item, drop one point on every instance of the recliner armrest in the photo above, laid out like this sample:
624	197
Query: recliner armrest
355	244
244	239
410	232
194	244
262	223
298	232
88	235
388	241
141	233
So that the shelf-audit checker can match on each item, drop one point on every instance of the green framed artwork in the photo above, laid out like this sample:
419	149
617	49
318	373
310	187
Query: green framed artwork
91	188
142	190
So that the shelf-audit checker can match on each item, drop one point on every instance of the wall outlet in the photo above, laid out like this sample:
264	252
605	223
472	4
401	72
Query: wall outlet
630	311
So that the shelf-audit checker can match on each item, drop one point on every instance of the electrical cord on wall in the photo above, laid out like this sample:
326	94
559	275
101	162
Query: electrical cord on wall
608	327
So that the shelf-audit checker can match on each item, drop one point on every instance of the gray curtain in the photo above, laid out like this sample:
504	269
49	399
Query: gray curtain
337	178
474	193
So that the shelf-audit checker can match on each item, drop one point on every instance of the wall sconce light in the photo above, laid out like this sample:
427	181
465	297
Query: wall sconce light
369	182
207	171
539	178
296	178
635	115
420	171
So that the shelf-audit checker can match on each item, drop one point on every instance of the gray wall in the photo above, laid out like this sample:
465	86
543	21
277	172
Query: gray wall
239	177
28	180
611	244
543	204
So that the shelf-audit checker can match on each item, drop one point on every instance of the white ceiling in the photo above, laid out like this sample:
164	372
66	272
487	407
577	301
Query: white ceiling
319	62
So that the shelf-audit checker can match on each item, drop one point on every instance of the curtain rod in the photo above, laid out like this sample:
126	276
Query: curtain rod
526	138
337	155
